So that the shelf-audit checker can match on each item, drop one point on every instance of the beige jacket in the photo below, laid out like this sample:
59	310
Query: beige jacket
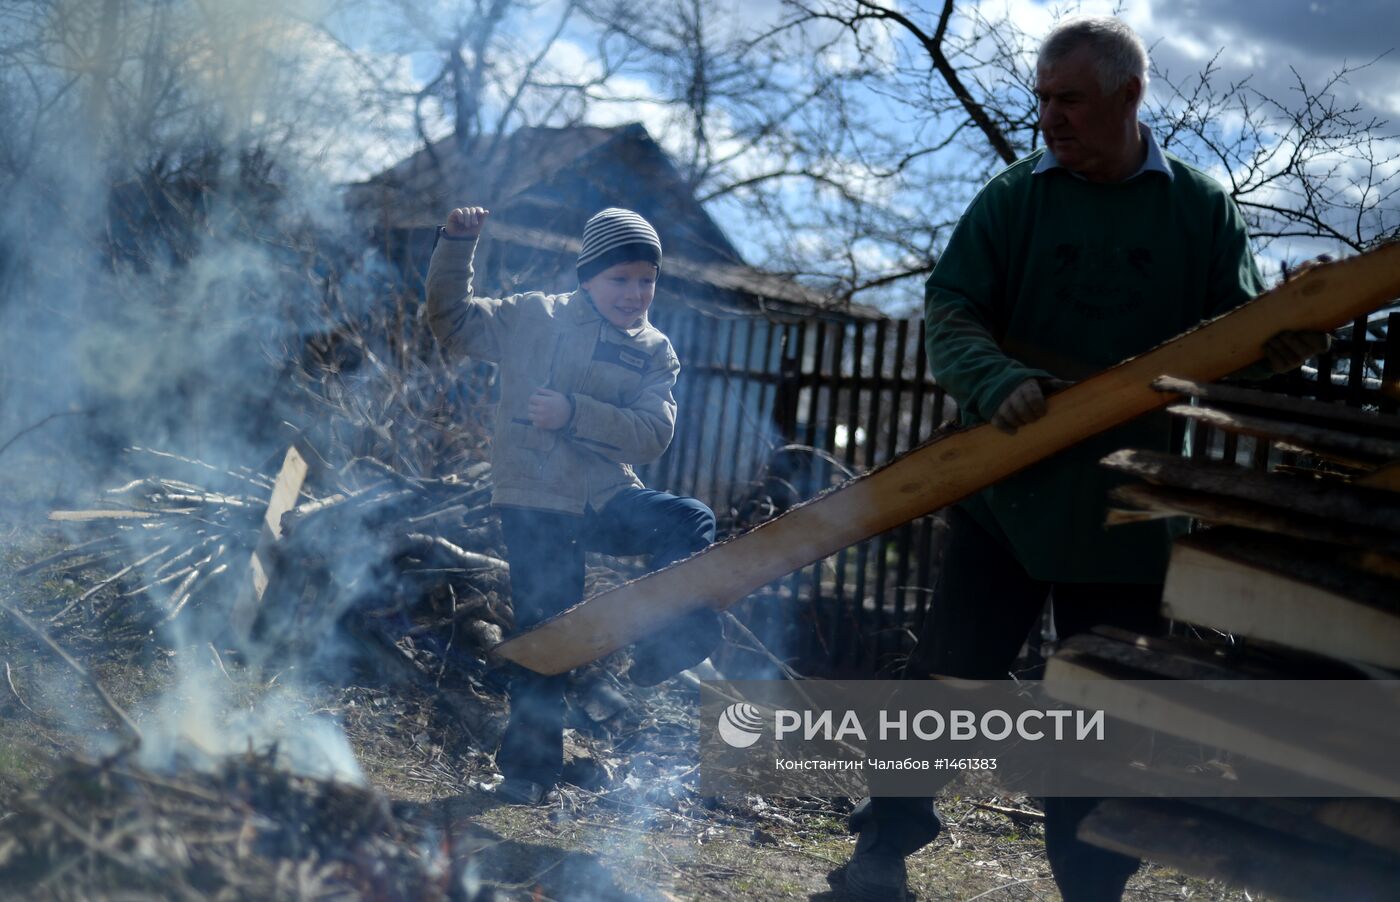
618	381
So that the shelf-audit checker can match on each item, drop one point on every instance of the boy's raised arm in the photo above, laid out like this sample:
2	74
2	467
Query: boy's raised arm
464	325
638	433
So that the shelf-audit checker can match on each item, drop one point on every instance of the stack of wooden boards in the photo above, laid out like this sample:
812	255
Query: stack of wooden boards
1300	569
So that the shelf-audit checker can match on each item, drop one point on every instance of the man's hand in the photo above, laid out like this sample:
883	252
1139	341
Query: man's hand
549	409
1026	404
1023	406
466	222
1286	351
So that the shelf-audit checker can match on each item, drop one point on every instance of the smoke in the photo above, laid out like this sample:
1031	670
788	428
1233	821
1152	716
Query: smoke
166	248
199	722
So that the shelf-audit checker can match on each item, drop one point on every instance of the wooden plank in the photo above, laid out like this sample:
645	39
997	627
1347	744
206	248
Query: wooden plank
786	372
816	384
1222	658
659	473
765	432
1256	719
1291	595
877	392
285	491
869	392
1356	363
828	385
1230	452
693	387
1325	389
1327	566
1310	438
952	467
920	391
849	637
1259	460
1390	368
1196	841
748	421
719	460
897	384
1307	496
755	431
1164	501
691	412
875	548
90	515
923	545
902	537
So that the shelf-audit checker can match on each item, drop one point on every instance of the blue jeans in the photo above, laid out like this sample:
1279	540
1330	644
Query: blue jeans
545	551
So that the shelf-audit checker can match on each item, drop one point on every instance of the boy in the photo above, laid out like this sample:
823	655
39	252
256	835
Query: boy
585	395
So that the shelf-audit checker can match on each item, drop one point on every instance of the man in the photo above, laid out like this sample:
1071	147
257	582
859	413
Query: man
1092	250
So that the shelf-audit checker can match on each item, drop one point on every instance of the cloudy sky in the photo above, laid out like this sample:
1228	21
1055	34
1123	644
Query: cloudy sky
1267	42
1264	38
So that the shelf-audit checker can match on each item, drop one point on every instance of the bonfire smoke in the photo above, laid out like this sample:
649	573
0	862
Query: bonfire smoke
160	277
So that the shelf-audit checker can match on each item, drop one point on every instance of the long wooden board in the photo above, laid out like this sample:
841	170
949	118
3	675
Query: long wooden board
1301	494
950	468
1296	410
1302	739
1293	593
1364	449
1155	500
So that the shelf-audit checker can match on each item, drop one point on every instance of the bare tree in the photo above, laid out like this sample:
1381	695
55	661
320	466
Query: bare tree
913	106
1309	166
156	231
492	65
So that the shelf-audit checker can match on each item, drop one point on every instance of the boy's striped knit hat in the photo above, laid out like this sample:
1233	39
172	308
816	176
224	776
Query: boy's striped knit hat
616	236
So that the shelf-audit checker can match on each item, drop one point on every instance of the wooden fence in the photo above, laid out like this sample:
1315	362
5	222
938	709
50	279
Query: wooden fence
773	412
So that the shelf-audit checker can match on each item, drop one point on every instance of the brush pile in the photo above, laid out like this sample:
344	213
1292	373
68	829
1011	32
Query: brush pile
391	545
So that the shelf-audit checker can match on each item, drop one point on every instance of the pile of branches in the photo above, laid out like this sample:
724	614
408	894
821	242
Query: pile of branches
412	557
179	548
167	542
248	829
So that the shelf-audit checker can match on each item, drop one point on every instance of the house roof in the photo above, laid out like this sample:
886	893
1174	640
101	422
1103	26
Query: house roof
547	177
541	184
763	289
494	168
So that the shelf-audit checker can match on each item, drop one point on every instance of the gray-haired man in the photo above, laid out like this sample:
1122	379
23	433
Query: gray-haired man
1092	250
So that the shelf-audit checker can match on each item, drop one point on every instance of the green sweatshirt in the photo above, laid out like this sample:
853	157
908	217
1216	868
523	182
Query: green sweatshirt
1050	275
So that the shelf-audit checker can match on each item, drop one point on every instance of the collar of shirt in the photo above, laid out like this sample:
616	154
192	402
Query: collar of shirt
1154	161
587	312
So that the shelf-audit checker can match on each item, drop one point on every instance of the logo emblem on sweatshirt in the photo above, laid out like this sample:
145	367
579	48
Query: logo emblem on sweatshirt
740	725
609	352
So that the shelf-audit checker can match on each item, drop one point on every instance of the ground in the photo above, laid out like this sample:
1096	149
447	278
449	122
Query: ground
637	831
